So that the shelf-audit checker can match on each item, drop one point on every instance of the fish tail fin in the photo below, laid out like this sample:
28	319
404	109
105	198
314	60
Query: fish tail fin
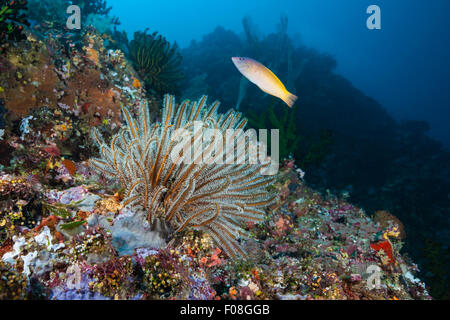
290	99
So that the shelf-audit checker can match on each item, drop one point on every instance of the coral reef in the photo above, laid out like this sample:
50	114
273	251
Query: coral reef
12	20
13	284
49	14
63	97
138	225
48	19
308	247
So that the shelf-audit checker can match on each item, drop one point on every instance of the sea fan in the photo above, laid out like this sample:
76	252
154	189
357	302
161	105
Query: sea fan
207	195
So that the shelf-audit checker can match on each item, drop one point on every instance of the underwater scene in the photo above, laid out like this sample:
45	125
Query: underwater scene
224	150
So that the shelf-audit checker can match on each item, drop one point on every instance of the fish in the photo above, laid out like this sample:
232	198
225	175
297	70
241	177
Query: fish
265	79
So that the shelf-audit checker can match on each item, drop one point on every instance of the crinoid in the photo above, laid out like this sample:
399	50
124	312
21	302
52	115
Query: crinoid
156	60
155	166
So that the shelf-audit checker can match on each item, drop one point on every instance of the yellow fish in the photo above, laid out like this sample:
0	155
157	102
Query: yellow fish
136	83
264	79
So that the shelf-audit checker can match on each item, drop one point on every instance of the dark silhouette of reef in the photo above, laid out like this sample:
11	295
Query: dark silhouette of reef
347	143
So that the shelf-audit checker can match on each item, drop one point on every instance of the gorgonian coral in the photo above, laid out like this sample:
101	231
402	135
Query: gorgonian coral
154	164
156	61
